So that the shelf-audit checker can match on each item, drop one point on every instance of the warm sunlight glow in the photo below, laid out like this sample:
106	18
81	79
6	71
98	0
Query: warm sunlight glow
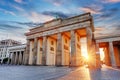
86	55
84	48
101	54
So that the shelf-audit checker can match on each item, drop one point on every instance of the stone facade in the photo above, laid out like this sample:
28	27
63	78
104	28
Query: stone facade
16	54
4	48
57	42
111	47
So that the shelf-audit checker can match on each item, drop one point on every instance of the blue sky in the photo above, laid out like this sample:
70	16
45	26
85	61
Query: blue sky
18	16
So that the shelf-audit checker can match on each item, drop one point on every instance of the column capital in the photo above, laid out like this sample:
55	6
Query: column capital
35	38
72	31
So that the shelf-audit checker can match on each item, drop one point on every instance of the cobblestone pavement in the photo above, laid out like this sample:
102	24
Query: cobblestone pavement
105	73
57	73
32	72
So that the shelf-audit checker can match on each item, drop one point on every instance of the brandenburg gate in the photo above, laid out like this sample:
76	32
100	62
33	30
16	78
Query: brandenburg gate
57	42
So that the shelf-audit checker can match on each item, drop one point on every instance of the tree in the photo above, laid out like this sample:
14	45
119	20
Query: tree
5	60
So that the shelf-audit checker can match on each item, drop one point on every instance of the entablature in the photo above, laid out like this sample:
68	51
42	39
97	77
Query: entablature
59	23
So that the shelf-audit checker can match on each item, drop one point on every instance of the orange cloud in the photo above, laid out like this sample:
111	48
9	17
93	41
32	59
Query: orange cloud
86	9
99	28
110	1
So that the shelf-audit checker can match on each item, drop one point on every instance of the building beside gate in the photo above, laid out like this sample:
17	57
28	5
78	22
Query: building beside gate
4	45
111	48
57	42
16	54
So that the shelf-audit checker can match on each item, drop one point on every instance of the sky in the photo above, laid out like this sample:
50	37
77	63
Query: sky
18	16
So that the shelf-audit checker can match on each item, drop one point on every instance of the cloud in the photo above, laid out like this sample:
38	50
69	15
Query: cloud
30	24
13	30
107	14
101	32
115	9
107	32
56	14
7	12
57	2
99	28
18	25
38	17
18	1
12	35
89	10
108	29
17	8
110	1
94	9
9	25
22	1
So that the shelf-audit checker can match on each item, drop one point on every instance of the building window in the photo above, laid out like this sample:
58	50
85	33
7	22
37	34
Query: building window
65	40
66	47
78	46
51	48
52	43
78	38
32	49
40	49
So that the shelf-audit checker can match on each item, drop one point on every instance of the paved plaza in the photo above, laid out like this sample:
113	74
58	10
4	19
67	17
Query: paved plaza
57	73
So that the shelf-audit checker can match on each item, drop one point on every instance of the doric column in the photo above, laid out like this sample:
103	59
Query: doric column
107	55
13	58
91	48
20	57
31	53
59	50
23	57
9	57
73	49
112	56
98	62
44	50
35	51
38	53
26	53
16	58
